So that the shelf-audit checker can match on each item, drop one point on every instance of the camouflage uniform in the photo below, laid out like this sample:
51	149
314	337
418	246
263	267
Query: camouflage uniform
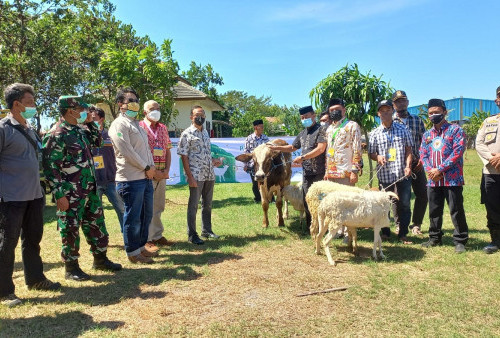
69	170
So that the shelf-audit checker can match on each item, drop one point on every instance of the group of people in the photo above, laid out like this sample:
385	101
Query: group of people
82	160
408	157
130	162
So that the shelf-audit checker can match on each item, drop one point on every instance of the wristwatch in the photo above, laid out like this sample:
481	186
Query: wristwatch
147	168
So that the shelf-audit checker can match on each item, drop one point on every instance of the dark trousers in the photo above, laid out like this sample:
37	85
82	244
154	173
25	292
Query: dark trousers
307	181
401	207
255	189
455	200
23	219
205	190
419	186
490	197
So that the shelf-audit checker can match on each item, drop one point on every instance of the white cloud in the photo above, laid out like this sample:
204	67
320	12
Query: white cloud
338	11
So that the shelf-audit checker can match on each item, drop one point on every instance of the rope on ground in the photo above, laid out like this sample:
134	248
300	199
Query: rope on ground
343	288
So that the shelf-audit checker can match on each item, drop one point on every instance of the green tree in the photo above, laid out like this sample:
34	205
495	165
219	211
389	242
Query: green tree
204	78
472	125
361	93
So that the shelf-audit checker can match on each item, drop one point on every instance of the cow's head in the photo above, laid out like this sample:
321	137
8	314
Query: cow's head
262	157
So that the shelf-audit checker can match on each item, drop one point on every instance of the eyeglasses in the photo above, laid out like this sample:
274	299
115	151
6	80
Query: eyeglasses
132	100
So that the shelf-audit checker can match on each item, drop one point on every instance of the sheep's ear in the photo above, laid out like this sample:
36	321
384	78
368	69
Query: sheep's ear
244	157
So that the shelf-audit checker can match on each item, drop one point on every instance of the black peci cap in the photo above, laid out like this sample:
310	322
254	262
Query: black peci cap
305	110
436	103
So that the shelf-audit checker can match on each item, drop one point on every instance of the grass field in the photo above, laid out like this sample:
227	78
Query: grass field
245	284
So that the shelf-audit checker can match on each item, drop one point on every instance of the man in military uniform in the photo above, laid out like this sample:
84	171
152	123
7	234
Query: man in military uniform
488	149
69	170
312	140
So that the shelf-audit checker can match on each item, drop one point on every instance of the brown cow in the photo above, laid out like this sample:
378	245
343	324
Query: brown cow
273	171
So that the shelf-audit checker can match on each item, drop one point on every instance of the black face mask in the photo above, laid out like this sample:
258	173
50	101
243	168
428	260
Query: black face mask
199	120
336	115
436	118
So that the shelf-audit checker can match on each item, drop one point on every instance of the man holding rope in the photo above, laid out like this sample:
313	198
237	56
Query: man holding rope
391	146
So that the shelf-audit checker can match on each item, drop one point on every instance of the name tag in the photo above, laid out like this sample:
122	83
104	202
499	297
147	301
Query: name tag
391	155
157	151
98	162
331	152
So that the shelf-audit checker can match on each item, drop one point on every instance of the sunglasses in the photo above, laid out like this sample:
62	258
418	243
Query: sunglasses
132	100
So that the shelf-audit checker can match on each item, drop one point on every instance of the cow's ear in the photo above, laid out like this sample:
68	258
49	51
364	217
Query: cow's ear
244	157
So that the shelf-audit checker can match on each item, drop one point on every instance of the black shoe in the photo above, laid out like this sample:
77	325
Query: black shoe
101	262
490	248
459	248
45	285
74	272
196	240
431	243
209	235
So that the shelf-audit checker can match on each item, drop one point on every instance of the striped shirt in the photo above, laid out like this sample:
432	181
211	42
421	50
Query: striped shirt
382	140
443	149
417	129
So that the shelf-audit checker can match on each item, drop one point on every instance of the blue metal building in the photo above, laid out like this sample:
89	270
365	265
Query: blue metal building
461	108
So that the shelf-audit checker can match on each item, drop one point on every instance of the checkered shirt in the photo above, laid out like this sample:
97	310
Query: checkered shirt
253	141
381	140
417	129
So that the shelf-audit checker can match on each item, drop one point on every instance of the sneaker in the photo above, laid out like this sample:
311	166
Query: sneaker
163	242
459	248
196	240
45	285
490	248
10	300
140	259
416	230
431	243
151	247
209	235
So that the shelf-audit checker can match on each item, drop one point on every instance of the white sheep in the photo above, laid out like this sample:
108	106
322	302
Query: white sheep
317	191
354	209
293	194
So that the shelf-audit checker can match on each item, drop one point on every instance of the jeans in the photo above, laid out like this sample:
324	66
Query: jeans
137	197
402	206
205	190
109	190
23	219
455	199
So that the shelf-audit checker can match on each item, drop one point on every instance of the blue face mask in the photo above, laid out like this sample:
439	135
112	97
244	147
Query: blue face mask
307	122
28	112
83	117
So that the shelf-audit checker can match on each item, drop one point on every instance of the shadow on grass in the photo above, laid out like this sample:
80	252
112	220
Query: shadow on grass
231	201
47	266
68	324
226	241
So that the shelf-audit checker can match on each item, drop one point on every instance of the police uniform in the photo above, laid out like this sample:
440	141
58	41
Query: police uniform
70	172
487	142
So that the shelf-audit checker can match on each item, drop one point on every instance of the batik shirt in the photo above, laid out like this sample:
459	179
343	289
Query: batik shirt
67	159
158	142
343	152
443	149
308	140
195	144
253	141
417	128
382	140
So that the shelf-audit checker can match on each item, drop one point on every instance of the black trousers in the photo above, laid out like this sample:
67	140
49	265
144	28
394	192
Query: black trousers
255	189
23	219
307	181
490	197
455	200
419	187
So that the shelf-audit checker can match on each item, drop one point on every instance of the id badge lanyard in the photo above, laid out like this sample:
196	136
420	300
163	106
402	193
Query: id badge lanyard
98	159
157	150
331	151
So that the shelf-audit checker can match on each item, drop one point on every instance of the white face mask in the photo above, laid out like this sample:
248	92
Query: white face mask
154	115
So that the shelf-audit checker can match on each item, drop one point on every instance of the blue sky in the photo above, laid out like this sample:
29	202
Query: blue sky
282	49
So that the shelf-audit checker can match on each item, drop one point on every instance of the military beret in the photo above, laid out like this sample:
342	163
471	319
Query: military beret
69	101
498	90
257	122
305	110
399	94
384	103
334	102
436	103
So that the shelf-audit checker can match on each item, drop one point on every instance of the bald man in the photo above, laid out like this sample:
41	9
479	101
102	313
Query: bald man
160	145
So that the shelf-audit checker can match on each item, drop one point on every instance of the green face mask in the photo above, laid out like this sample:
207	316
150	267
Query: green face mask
28	112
